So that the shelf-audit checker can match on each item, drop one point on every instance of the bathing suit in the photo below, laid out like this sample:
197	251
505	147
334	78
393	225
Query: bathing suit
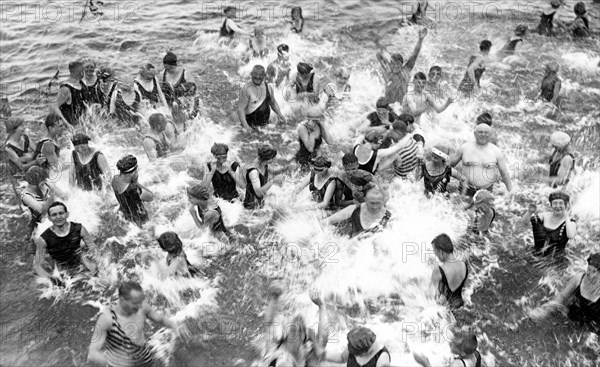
194	271
121	351
217	227
370	165
477	363
546	25
582	309
352	362
151	96
466	85
548	84
223	184
123	112
357	225
92	93
161	146
131	204
555	164
260	116
303	156
88	176
73	111
294	28
454	297
225	31
252	201
300	88
65	251
409	160
583	27
36	217
417	15
319	194
175	91
38	151
20	153
512	44
548	241
437	183
477	220
375	120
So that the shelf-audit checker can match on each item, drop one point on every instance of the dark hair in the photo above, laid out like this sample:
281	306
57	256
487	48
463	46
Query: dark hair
170	242
381	103
75	65
52	120
579	8
484	118
35	175
299	10
349	158
485	45
407	118
420	76
155	119
398	58
126	287
435	68
443	243
400	126
55	204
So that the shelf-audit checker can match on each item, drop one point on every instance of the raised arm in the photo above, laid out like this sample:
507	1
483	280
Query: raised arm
234	27
410	63
438	107
159	318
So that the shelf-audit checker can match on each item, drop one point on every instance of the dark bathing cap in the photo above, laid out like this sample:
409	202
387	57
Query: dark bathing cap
349	158
381	103
321	161
559	195
80	138
304	68
594	260
35	175
170	242
360	339
127	164
199	191
266	152
283	47
219	149
105	73
170	59
229	8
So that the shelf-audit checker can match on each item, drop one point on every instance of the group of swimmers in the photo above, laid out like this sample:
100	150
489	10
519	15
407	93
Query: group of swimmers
389	144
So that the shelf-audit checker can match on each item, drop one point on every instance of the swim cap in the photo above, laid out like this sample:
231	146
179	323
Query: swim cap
170	242
579	8
13	123
483	196
349	158
484	118
266	152
559	139
304	68
127	164
52	120
321	161
35	175
440	151
360	340
283	47
552	66
594	260
381	103
521	29
374	137
199	191
105	73
559	195
219	149
170	59
483	127
80	138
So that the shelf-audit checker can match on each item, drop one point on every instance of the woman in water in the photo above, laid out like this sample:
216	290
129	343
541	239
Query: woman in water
580	27
156	144
551	230
337	91
258	44
205	211
279	69
464	346
370	216
436	173
230	27
482	212
551	84
311	134
562	159
257	177
90	167
91	92
511	45
546	25
297	22
475	69
322	183
449	278
225	176
113	99
147	89
364	350
367	150
177	262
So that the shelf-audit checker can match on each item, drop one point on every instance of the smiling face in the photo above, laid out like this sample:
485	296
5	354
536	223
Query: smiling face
482	137
558	206
434	76
383	114
374	201
58	215
147	73
89	68
258	76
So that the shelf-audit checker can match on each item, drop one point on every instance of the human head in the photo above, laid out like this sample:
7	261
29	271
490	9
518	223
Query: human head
594	262
53	124
521	30
435	74
131	297
295	333
484	118
304	68
485	46
58	213
321	163
440	153
375	199
13	124
76	70
559	201
170	61
342	74
219	151
35	175
464	344
560	140
80	140
283	51
170	242
89	66
419	81
349	162
382	109
157	122
555	4
579	9
106	74
483	132
360	340
128	166
442	245
297	13
266	152
258	74
148	71
230	11
552	67
198	193
400	129
407	118
375	138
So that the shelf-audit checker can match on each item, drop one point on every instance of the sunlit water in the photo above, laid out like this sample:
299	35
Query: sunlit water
381	281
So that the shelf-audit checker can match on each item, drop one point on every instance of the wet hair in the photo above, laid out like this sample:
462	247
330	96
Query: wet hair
55	204
349	158
52	120
400	127
170	242
579	8
485	45
420	76
74	66
126	287
199	191
381	103
321	162
219	149
435	68
407	118
443	243
484	118
35	175
156	119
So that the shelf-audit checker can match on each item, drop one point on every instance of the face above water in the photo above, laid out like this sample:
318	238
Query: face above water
558	206
482	137
133	303
58	215
257	77
374	202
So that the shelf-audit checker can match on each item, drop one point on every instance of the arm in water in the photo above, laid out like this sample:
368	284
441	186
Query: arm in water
504	171
150	149
243	102
64	96
91	250
95	353
38	261
274	105
340	216
234	27
559	301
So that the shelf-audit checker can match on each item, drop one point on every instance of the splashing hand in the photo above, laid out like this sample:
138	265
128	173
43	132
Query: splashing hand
315	297
423	33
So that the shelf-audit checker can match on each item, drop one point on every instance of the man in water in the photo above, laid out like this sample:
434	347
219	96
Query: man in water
417	101
69	104
256	101
63	243
280	68
396	73
486	118
129	193
118	338
48	147
481	160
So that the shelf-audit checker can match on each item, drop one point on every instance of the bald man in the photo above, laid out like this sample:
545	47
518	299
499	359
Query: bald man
481	162
256	101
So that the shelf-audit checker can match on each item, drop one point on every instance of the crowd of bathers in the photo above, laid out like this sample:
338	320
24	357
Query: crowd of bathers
389	145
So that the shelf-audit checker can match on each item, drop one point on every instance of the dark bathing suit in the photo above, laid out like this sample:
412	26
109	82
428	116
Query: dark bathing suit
548	84
370	165
225	31
224	185
151	96
371	363
175	91
437	183
584	310
217	227
546	25
309	86
555	164
252	201
454	297
93	94
88	176
357	227
162	148
38	151
123	111
466	85
477	363
19	152
121	351
303	156
131	204
512	44
319	194
65	251
260	116
553	240
36	217
73	111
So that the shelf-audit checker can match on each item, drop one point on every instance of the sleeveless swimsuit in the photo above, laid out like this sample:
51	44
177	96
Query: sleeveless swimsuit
38	151
92	93
555	165
582	31
121	351
19	152
546	25
65	251
161	146
547	87
466	85
36	217
477	363
309	86
454	297
435	184
512	44
582	309
151	96
225	31
548	241
303	156
123	112
357	225
217	227
252	201
175	91
352	362
319	194
477	219
260	116
369	166
88	176
131	204
224	185
73	111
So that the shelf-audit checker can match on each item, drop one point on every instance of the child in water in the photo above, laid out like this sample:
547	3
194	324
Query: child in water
177	262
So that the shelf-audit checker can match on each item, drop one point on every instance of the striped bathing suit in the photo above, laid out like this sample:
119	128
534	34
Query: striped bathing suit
121	351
